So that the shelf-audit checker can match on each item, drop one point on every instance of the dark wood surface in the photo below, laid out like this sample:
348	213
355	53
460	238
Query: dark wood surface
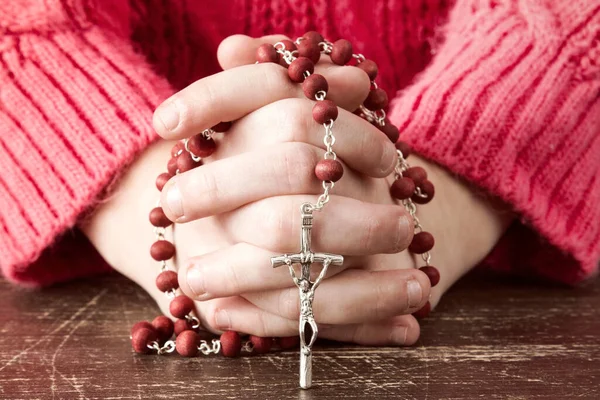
490	338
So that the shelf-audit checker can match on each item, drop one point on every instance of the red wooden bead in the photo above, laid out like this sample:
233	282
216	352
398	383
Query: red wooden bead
172	166
162	250
167	280
417	174
187	343
261	344
231	344
158	218
329	170
404	148
309	50
432	273
288	342
298	67
376	100
139	325
403	188
177	149
185	162
422	242
341	53
427	189
164	327
181	306
390	131
370	68
222	126
266	53
314	84
162	180
423	312
324	111
202	146
314	37
141	338
182	325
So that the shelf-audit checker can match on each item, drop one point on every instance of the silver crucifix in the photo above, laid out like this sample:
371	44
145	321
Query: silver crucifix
307	289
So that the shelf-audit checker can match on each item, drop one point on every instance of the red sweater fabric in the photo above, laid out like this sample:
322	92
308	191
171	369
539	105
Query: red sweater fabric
503	93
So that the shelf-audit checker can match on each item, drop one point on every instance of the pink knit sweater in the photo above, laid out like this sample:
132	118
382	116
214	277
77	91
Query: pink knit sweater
504	93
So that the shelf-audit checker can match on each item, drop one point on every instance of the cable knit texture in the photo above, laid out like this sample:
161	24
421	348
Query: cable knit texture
503	93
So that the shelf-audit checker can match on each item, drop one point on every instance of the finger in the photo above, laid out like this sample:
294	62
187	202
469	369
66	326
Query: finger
237	314
239	50
231	94
350	227
360	144
229	183
353	296
234	270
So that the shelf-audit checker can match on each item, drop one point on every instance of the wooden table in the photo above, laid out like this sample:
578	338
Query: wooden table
490	338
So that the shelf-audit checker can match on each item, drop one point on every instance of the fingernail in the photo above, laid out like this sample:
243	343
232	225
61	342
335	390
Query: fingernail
415	293
195	280
399	335
222	320
168	114
174	201
388	158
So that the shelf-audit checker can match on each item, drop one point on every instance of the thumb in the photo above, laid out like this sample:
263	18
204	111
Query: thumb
239	50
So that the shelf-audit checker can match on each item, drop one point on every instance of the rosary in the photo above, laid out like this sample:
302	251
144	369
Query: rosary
410	187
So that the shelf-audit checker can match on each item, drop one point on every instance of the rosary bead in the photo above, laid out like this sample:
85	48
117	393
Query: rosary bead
164	328
261	344
298	67
423	312
162	250
182	325
403	188
314	37
141	338
181	306
266	53
172	166
158	218
162	180
167	280
202	146
427	189
404	148
185	162
324	111
432	273
187	343
177	149
222	126
231	344
376	100
390	131
329	170
422	242
370	68
417	174
341	53
140	325
289	46
309	50
314	84
288	342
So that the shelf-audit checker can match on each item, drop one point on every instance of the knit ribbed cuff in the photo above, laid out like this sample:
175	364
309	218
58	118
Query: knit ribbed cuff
75	108
512	105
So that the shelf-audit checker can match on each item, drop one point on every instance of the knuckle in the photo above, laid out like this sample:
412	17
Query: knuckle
287	306
293	121
278	221
297	161
402	237
373	227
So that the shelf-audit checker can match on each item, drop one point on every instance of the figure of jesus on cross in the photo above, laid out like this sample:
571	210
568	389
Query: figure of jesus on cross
307	289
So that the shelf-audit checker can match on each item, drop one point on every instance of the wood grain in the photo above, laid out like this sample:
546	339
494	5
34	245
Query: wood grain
490	338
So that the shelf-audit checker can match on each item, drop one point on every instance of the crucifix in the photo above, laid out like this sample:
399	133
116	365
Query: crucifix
307	289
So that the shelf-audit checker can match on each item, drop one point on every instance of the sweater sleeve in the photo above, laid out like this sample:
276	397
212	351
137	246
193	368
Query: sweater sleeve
75	107
511	103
